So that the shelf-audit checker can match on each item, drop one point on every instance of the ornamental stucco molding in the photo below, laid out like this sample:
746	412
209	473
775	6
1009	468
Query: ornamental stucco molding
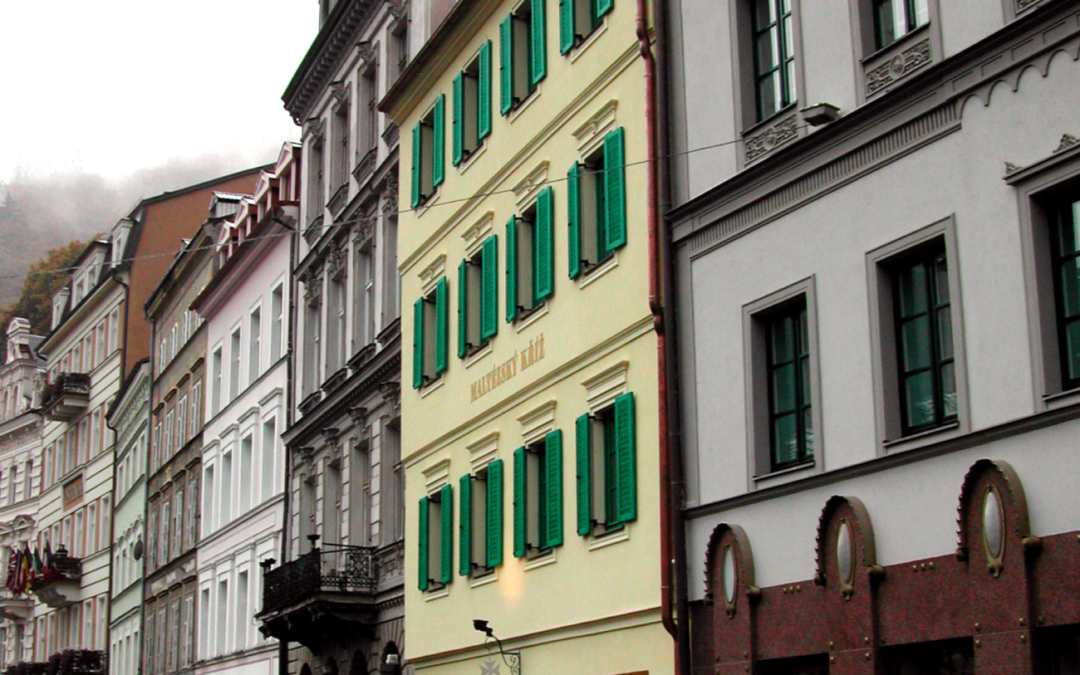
898	67
768	139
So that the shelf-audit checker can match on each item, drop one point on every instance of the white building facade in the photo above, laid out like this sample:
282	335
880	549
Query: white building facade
245	308
21	379
874	227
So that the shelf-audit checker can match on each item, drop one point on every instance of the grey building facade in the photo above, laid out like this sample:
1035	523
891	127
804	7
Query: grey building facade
872	213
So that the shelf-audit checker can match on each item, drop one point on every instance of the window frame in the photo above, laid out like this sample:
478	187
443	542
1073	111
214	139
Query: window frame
761	468
431	319
527	236
471	106
1040	187
589	245
891	436
871	60
429	153
517	34
478	320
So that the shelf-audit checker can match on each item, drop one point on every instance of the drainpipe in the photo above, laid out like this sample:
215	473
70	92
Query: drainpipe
665	260
656	308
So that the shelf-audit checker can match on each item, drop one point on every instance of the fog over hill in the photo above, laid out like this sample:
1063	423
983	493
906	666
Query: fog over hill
47	210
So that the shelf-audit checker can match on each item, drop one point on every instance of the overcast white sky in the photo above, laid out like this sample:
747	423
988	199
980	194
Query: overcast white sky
113	86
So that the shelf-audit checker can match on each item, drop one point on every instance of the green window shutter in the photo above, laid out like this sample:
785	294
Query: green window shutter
566	26
584	477
537	46
544	248
422	549
511	269
553	469
458	122
520	523
417	154
615	190
603	7
442	331
489	288
495	513
438	152
625	460
506	65
573	204
418	344
483	93
446	535
465	526
463	309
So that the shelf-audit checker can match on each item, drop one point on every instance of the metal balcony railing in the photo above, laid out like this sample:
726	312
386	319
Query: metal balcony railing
338	569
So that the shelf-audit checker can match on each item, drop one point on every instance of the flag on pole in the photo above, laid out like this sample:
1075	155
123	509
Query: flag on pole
11	569
28	575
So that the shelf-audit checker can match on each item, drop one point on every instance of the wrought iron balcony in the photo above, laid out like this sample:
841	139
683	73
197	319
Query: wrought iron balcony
325	591
67	396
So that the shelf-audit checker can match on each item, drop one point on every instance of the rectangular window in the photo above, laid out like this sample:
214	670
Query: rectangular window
430	333
1066	273
399	42
917	327
481	510
530	257
316	181
340	159
269	458
429	152
538	518
150	635
606	468
222	629
204	623
478	298
241	613
435	554
579	18
522	54
312	328
277	315
893	19
254	344
225	501
774	56
392	493
234	361
215	392
245	471
368	112
95	433
391	282
167	443
596	203
177	534
208	499
791	427
151	549
181	422
195	414
187	632
164	530
472	105
99	343
335	324
924	341
174	634
191	515
106	522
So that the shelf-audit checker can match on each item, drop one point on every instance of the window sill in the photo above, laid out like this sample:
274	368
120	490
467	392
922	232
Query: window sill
441	592
478	354
922	438
427	203
1061	399
541	560
426	390
533	317
600	270
489	578
592	37
783	475
610	538
517	111
464	166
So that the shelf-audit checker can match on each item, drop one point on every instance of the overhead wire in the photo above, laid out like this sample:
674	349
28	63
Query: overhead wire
359	219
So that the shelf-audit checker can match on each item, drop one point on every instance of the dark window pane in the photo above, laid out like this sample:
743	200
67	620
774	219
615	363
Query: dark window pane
767	95
1068	236
913	290
781	340
919	399
767	57
915	344
789	38
763	13
1070	287
948	390
785	439
808	432
1072	350
941	280
944	333
784	389
804	376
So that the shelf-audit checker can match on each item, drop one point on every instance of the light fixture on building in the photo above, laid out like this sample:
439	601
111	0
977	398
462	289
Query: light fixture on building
511	659
822	113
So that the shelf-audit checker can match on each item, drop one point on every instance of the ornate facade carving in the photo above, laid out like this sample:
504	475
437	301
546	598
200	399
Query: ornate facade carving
765	141
898	67
390	196
313	284
337	260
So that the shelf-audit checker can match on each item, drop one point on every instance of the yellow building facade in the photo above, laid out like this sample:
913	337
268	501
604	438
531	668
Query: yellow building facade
529	431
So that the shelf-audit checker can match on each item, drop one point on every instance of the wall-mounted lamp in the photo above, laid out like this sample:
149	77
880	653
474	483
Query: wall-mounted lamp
822	113
511	659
